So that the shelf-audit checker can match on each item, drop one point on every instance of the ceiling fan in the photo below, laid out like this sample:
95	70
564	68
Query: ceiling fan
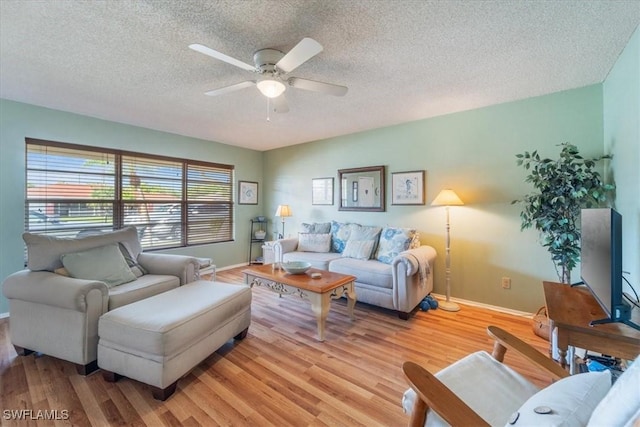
272	67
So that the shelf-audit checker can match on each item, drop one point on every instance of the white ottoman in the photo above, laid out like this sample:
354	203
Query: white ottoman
159	339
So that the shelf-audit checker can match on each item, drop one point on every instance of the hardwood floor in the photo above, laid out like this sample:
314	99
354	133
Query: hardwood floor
278	375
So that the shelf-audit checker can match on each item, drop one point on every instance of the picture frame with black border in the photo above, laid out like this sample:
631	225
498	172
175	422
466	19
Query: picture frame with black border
408	188
247	193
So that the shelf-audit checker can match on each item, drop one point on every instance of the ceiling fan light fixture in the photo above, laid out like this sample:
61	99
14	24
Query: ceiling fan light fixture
271	88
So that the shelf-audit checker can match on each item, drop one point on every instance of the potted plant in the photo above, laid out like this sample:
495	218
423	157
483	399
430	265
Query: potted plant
562	187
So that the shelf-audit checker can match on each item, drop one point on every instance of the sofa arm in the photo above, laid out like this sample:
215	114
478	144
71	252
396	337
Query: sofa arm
416	260
44	287
283	246
184	267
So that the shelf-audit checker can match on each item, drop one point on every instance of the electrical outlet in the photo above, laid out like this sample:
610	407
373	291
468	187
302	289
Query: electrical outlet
506	283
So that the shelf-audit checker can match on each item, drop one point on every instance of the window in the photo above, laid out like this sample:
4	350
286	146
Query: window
75	190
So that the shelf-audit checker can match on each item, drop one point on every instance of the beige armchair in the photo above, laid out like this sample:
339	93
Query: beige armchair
57	315
479	390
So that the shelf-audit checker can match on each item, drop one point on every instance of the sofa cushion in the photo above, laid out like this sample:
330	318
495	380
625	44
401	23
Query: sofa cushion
340	233
44	252
314	242
318	260
316	227
104	263
393	241
371	272
141	288
358	249
363	238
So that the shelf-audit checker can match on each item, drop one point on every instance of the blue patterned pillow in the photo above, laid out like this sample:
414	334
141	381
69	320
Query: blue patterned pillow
340	233
392	242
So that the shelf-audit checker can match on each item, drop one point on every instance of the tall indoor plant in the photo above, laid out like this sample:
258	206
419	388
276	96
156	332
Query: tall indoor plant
562	187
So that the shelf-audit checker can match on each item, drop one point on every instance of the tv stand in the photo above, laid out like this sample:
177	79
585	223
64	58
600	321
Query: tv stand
572	310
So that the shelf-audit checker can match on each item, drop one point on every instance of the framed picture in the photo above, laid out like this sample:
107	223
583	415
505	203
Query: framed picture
407	188
247	193
322	191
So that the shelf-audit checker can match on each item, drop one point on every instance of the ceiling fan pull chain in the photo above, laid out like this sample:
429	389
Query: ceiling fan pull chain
268	109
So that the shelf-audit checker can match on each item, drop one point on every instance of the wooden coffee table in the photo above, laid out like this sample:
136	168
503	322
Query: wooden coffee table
319	292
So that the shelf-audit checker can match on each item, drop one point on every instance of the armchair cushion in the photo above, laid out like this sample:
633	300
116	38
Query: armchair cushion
493	390
44	252
621	406
571	401
104	263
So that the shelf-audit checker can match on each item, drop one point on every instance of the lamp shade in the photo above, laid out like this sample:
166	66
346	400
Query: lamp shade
271	88
283	210
447	197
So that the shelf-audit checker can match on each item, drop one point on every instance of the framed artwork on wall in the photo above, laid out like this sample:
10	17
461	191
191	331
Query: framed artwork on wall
322	191
247	193
407	188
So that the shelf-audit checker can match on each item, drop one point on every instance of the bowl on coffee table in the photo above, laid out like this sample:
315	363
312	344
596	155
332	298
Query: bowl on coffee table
296	267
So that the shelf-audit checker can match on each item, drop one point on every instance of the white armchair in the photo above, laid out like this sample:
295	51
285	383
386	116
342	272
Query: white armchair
58	315
479	390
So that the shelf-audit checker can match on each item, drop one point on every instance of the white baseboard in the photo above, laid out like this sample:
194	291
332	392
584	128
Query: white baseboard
487	306
4	315
229	267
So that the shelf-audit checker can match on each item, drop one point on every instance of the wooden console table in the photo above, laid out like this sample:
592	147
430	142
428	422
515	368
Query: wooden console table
571	309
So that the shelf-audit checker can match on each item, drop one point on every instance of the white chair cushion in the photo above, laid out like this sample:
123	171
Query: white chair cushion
493	390
570	402
621	406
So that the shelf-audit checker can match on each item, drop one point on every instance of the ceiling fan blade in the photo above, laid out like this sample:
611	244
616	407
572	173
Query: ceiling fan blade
231	88
306	49
280	104
314	86
221	56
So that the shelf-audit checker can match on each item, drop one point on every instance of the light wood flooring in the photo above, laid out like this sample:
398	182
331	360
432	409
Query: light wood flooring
278	375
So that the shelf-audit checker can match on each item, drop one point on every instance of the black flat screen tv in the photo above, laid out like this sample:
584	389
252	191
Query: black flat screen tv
601	263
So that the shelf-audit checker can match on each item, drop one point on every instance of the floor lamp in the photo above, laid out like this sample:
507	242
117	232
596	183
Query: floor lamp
448	198
283	211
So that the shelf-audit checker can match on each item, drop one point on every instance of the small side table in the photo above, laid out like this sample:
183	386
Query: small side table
267	253
572	309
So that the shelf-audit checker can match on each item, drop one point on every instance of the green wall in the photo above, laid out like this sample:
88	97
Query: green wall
472	152
18	121
621	93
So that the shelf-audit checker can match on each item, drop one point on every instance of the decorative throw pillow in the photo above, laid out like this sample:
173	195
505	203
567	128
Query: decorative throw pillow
136	268
359	249
415	242
361	233
392	242
104	263
340	233
621	406
317	227
571	401
313	242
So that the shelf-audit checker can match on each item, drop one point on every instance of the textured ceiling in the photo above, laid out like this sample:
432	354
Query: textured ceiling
129	61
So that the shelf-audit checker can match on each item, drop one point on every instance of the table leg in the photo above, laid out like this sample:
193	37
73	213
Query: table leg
320	306
351	300
563	346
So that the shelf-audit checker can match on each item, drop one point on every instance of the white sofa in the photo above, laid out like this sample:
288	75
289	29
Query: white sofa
57	315
392	268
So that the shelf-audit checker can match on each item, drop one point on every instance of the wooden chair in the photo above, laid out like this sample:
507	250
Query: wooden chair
453	402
